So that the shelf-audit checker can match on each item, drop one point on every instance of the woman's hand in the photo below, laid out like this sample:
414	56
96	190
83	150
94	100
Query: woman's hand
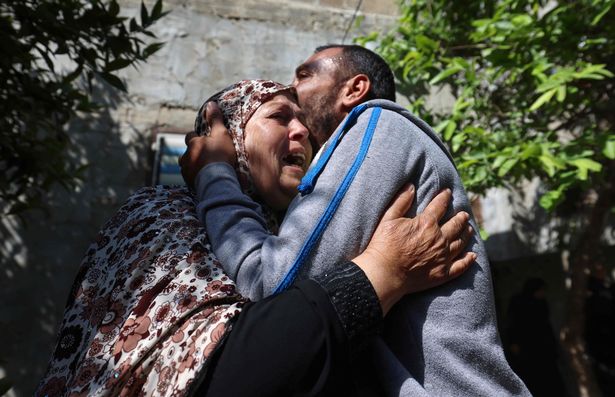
407	255
217	147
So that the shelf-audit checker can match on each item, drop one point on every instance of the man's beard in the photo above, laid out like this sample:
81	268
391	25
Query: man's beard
320	115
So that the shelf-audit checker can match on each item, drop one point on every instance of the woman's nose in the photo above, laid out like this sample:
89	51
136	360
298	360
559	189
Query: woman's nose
298	131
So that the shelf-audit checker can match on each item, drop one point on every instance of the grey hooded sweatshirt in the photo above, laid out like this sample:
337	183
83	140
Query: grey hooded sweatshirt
441	342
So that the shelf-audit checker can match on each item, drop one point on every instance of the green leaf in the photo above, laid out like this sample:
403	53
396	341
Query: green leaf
445	73
561	93
440	127
114	8
450	129
481	22
157	10
550	164
602	13
585	166
151	49
551	199
119	63
113	80
506	167
425	43
504	25
544	98
522	20
144	16
593	71
460	104
457	140
609	148
531	150
484	235
499	160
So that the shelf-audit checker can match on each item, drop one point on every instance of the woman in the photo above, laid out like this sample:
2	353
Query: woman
150	302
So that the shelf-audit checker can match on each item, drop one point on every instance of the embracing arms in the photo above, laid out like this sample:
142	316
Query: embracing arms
405	254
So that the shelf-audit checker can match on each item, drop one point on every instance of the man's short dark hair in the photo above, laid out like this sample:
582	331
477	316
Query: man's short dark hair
359	60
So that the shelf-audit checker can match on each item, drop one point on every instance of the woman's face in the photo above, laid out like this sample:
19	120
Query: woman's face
278	150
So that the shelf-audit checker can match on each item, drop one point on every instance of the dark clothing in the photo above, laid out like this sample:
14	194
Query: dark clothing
599	331
300	342
533	347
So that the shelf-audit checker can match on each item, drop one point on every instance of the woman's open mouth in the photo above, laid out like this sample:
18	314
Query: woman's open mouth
295	159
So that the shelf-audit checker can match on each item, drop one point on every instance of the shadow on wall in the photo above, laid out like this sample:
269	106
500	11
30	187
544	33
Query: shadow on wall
39	259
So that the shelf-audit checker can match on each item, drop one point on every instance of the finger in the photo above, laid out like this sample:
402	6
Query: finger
185	171
189	136
457	246
438	205
401	203
452	228
215	120
461	265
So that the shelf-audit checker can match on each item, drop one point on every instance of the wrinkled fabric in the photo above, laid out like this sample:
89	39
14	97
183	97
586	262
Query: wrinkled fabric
151	303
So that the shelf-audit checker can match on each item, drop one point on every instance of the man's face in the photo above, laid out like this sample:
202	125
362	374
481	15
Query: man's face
317	83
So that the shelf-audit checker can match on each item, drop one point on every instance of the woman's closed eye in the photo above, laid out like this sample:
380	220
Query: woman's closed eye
281	115
302	74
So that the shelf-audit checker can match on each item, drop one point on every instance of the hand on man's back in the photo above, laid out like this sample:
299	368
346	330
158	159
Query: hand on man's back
408	255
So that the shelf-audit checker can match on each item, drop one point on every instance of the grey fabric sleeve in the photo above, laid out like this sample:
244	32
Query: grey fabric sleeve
239	230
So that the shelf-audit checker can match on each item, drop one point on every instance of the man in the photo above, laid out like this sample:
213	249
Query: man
307	340
441	342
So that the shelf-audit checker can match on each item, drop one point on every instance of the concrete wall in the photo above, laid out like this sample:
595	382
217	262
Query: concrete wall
210	44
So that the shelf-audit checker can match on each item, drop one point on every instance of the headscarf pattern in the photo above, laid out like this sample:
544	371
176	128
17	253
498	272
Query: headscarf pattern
151	303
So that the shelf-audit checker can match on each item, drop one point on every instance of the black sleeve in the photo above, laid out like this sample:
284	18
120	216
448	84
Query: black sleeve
298	343
355	302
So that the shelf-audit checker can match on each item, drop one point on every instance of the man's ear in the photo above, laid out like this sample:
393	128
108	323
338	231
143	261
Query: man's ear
355	91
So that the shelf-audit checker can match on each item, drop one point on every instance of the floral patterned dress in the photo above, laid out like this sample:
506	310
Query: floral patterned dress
148	307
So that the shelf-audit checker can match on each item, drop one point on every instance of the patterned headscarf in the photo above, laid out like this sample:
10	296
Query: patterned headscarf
238	102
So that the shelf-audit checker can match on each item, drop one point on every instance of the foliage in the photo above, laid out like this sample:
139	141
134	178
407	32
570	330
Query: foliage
52	51
532	82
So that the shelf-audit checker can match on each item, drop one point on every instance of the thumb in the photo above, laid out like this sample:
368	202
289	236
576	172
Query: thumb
401	203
